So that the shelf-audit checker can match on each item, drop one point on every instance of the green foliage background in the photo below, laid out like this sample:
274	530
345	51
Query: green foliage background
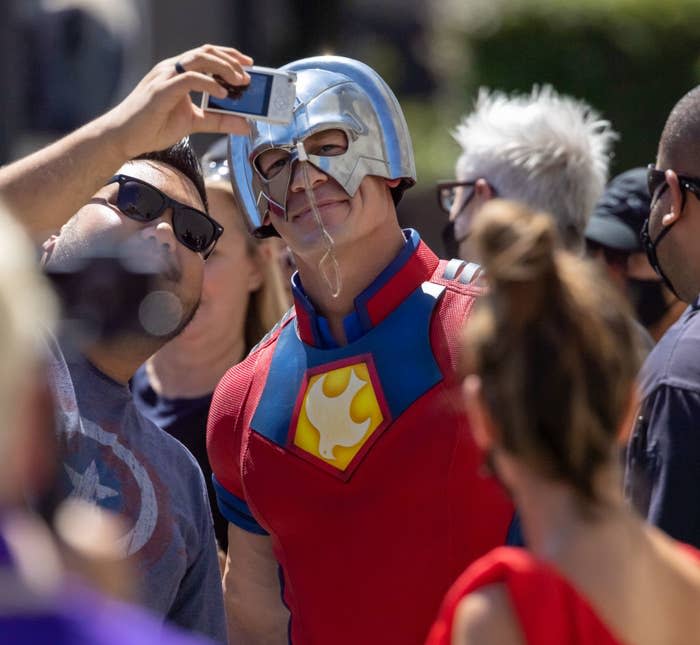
630	59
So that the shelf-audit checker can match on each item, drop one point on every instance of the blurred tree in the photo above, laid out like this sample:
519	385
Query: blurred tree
630	59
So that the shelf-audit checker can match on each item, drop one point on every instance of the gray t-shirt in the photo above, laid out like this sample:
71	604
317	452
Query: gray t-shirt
116	458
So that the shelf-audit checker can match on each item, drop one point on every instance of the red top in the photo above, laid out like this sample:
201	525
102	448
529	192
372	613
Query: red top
548	608
369	530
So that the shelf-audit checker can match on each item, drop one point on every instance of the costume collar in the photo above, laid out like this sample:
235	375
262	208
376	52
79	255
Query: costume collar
414	264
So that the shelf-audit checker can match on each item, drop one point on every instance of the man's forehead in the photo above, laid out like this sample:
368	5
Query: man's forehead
330	131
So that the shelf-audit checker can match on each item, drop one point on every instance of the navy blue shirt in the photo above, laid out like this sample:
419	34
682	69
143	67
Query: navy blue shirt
662	477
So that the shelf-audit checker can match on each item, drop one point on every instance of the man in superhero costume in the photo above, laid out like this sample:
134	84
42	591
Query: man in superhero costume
341	456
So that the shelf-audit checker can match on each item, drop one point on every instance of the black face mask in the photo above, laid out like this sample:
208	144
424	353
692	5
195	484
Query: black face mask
648	300
650	246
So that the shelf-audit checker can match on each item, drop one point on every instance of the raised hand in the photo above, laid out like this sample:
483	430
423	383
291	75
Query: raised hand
46	188
159	112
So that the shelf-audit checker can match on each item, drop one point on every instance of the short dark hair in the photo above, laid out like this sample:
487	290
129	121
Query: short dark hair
681	134
182	157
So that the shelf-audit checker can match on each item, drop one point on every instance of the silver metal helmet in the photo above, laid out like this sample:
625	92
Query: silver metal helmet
332	92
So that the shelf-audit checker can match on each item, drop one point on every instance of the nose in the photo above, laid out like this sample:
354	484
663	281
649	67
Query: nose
161	232
316	177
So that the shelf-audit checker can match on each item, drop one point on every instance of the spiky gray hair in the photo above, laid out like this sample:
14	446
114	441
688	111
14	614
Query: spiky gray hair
544	149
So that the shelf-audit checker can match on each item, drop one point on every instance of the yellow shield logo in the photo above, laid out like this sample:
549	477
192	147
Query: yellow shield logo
339	413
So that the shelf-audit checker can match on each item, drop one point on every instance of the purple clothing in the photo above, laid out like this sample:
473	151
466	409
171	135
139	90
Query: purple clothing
79	617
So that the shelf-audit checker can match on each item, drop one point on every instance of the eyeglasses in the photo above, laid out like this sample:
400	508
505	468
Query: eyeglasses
142	202
447	193
656	183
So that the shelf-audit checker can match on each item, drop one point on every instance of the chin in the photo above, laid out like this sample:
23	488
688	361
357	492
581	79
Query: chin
165	313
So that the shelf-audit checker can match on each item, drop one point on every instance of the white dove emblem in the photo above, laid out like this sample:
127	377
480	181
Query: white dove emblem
331	416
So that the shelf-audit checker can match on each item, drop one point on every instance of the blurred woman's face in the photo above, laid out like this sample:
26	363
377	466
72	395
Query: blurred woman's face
231	273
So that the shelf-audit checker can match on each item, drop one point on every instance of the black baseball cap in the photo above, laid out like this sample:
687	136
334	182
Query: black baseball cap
618	217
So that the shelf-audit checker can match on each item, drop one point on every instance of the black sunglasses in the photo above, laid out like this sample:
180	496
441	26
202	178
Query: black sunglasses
656	183
142	202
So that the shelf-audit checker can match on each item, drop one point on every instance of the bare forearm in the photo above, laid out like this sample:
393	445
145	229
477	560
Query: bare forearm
44	189
253	620
255	613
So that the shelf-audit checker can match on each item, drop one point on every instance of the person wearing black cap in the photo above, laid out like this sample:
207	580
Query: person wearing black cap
613	236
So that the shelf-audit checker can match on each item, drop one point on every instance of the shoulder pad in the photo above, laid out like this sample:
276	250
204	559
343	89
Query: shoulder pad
277	326
461	271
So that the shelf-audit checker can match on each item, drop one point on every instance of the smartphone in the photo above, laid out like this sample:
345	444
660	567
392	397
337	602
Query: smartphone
269	96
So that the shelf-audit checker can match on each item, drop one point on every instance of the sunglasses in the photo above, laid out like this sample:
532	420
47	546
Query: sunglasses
656	183
142	202
447	193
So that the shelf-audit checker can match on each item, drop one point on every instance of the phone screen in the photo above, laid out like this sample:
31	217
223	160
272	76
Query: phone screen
254	100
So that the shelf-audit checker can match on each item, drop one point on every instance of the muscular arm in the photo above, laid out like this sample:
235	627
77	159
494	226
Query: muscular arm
255	612
46	188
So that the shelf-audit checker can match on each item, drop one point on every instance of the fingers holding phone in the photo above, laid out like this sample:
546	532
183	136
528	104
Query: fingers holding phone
225	62
268	96
159	111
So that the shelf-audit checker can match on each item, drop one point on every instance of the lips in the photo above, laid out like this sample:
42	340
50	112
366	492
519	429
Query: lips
306	210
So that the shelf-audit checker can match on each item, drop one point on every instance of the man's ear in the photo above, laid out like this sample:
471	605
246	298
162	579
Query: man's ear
483	190
393	183
48	248
676	194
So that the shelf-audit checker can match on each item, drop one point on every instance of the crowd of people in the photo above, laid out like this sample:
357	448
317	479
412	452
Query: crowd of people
385	446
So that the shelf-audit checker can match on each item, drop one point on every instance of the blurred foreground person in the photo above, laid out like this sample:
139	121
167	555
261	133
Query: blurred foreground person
613	236
550	362
129	185
546	150
663	456
39	601
242	298
349	478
